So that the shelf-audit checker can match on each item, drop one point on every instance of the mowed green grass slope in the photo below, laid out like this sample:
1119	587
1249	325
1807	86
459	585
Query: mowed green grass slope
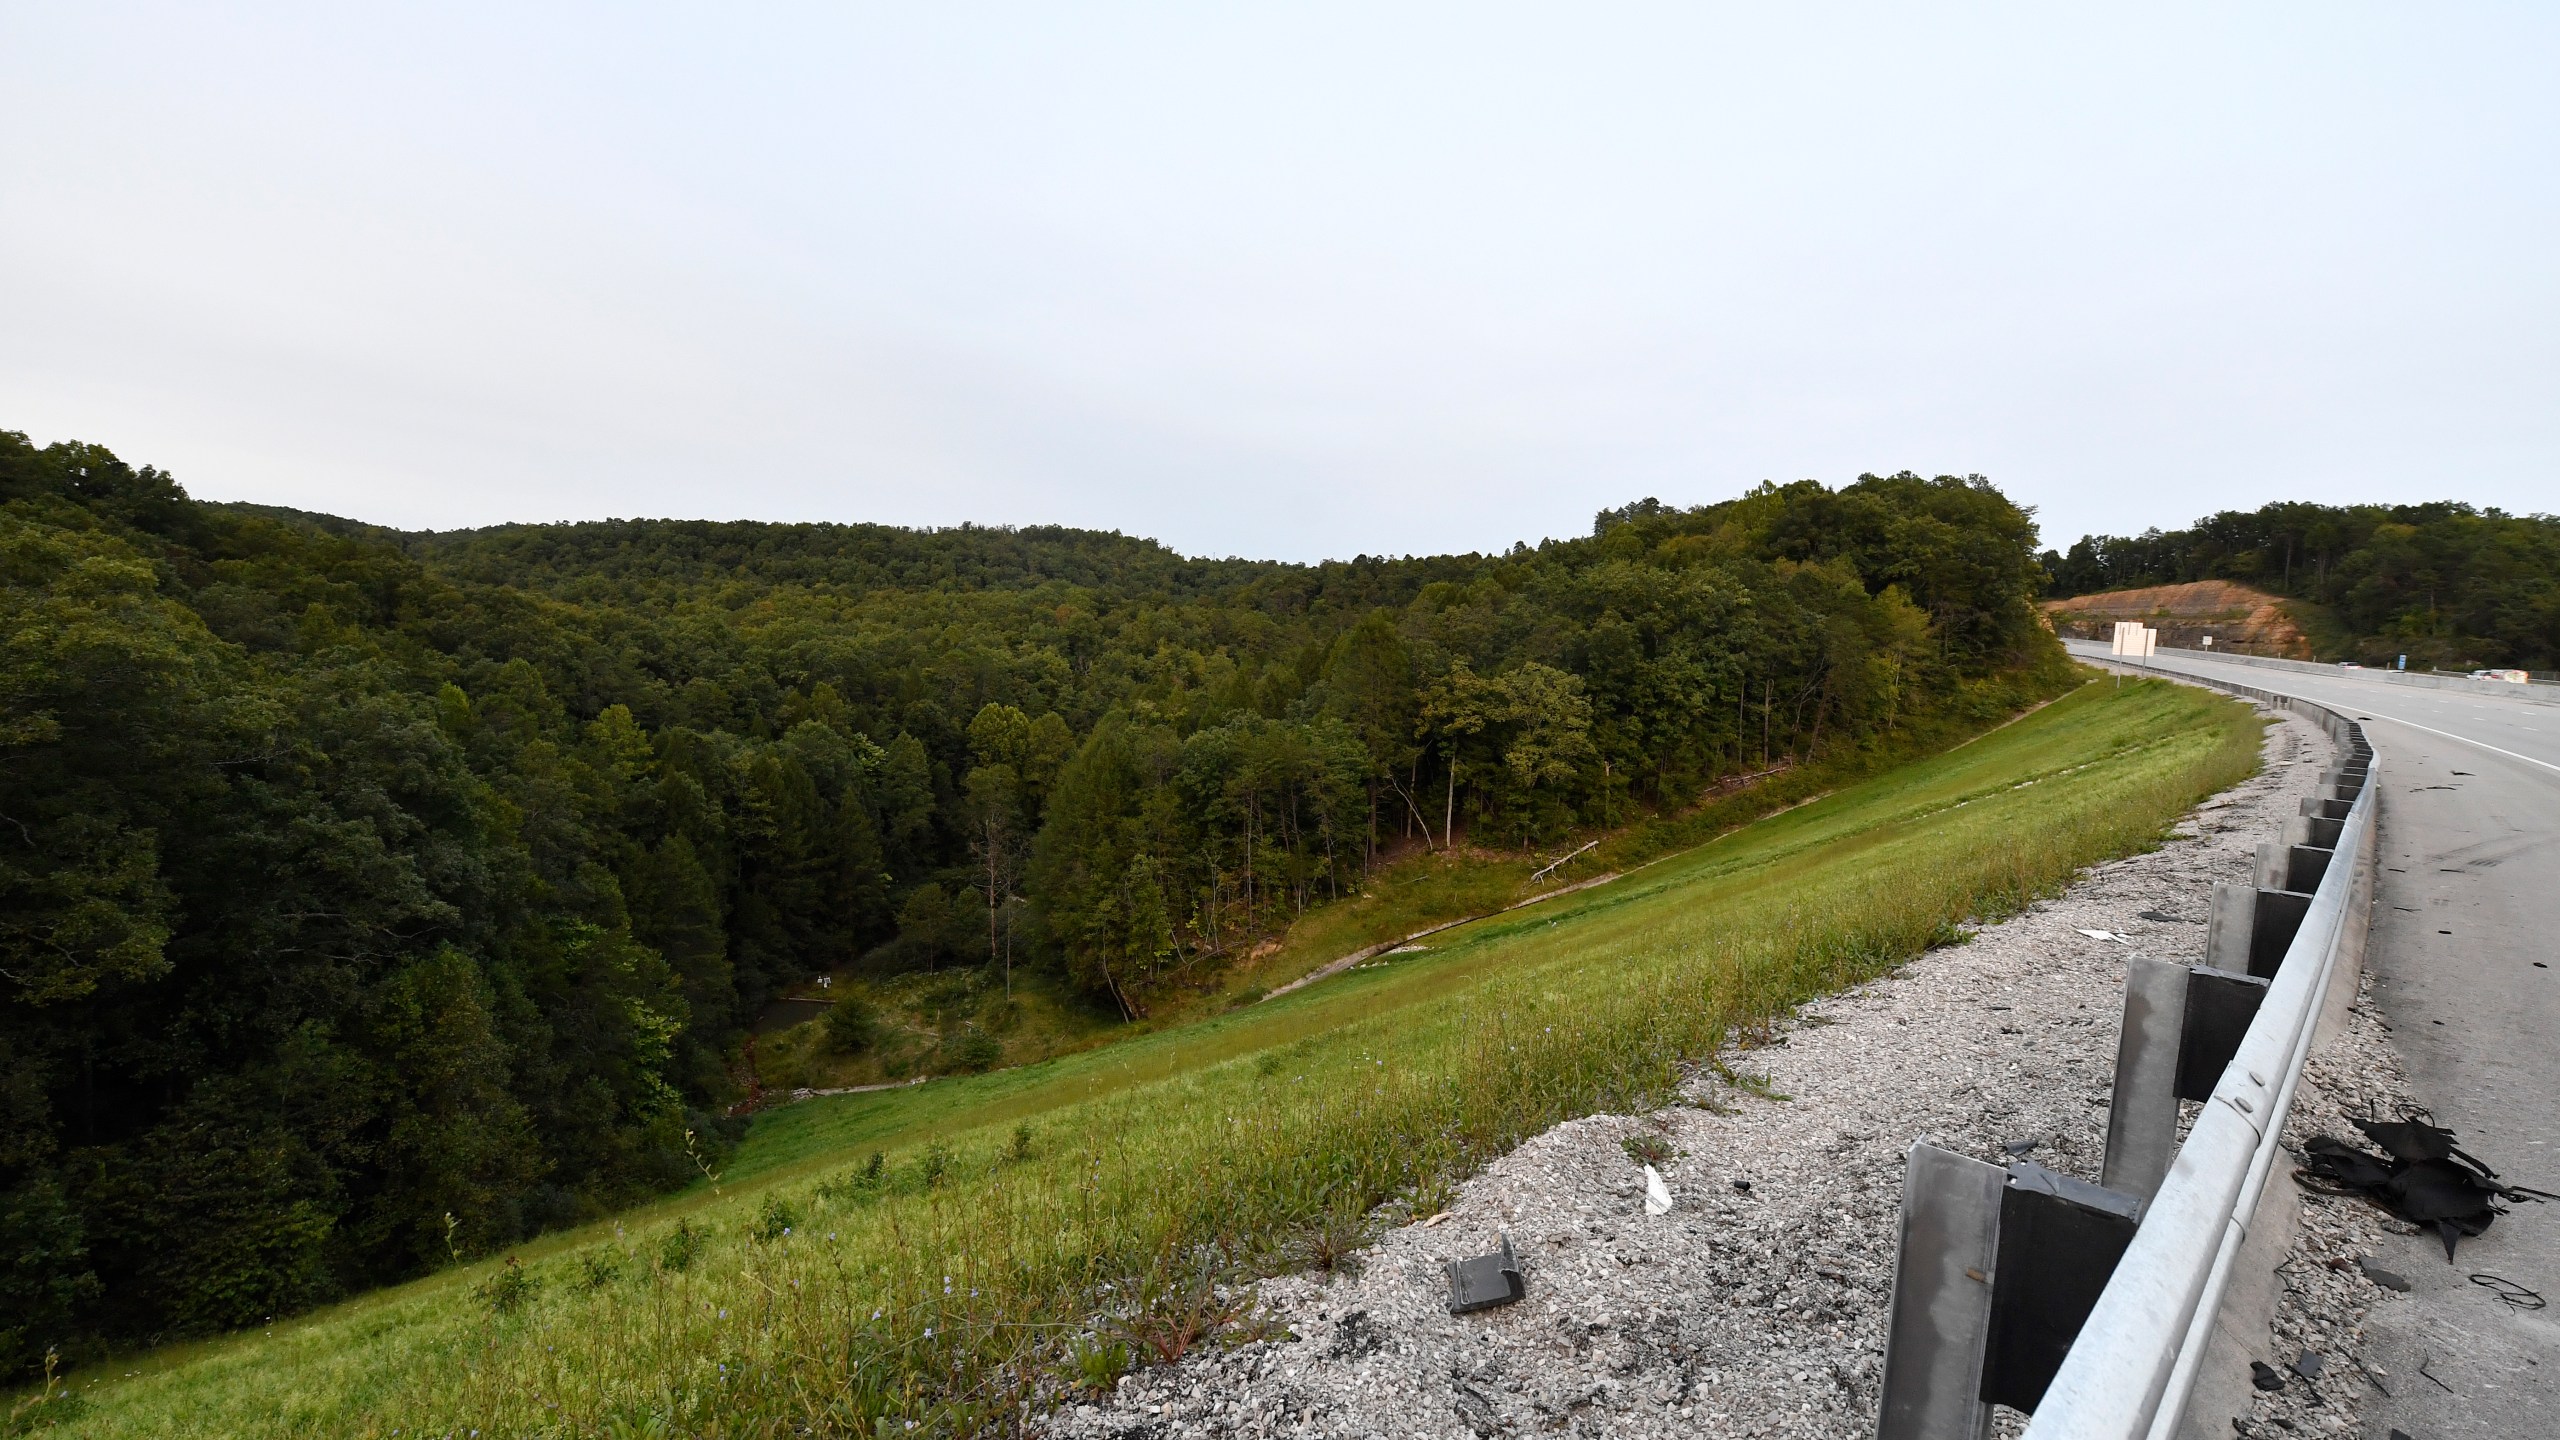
815	1294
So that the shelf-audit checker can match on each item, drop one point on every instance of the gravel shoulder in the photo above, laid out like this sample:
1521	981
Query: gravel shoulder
1756	1305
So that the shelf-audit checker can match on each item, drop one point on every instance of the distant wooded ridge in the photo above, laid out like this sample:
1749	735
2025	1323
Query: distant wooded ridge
2446	584
369	899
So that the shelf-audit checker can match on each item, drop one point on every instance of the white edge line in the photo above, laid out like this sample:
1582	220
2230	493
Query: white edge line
2465	739
2394	719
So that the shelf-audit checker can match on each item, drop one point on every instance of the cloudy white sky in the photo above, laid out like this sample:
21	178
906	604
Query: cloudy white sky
1289	281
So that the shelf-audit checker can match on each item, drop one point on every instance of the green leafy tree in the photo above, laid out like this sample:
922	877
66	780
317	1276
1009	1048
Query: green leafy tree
1151	945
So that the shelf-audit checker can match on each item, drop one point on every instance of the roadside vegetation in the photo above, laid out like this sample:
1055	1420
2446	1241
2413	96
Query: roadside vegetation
950	1254
372	901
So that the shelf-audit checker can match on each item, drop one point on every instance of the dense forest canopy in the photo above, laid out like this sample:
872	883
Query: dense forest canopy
2443	583
369	900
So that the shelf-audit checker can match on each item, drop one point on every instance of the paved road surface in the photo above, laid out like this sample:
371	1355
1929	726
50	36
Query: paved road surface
2466	918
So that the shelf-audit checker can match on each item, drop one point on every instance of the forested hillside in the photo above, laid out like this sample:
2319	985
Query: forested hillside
369	900
2443	583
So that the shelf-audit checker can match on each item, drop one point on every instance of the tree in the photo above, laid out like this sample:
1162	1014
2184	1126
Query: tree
457	1149
1369	685
1457	707
994	811
1151	944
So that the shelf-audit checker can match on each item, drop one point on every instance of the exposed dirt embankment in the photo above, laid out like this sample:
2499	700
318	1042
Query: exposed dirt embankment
2236	616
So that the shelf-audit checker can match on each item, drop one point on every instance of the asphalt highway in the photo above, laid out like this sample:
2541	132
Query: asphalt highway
2467	972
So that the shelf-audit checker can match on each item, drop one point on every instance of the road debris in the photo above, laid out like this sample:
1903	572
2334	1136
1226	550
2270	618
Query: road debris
1657	1195
2422	1177
2387	1279
2519	1296
1484	1281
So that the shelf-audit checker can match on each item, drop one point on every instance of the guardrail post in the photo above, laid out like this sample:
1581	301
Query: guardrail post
2181	1028
2304	865
2228	927
2060	1239
2219	1008
1997	1270
2142	1110
2272	863
2275	916
1939	1321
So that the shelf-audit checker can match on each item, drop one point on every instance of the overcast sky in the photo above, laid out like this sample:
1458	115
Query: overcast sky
1288	281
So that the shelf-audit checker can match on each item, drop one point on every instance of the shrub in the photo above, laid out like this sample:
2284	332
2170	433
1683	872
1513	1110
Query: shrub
1100	1363
774	1219
970	1050
508	1291
598	1268
681	1248
860	1180
1330	1245
852	1026
1646	1148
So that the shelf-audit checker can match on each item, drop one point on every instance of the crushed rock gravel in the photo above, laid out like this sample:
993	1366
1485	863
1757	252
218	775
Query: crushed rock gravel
1756	1306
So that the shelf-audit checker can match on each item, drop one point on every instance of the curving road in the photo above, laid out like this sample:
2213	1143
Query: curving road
2465	958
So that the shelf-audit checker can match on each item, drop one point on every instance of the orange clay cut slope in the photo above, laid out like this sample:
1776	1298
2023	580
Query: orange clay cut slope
2237	616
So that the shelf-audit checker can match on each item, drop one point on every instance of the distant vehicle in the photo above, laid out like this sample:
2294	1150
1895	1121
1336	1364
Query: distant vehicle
2512	677
2349	665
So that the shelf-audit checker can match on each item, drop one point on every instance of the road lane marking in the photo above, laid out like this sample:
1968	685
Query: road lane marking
2465	739
2414	725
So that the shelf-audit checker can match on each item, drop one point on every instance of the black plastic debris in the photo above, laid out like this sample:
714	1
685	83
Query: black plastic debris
1485	1281
2265	1376
2422	1177
1743	1186
2387	1279
2520	1296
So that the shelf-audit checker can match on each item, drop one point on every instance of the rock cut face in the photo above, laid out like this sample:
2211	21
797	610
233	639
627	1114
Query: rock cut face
2238	617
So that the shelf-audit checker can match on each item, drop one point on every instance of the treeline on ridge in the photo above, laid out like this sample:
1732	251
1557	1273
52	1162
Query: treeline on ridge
370	900
2443	583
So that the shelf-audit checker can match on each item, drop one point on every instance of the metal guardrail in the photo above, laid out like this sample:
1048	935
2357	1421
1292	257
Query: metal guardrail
2132	1366
2130	1372
2539	691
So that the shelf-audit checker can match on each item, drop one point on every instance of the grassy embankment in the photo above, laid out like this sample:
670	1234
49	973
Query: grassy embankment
931	1285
